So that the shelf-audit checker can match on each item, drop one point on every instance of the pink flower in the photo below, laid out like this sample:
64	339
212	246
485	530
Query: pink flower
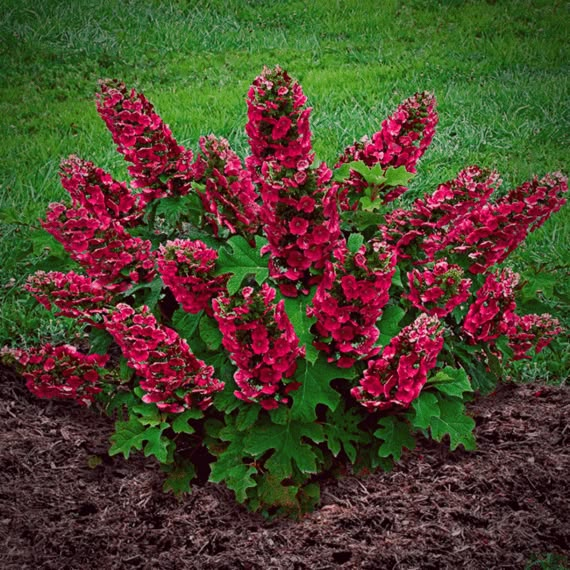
186	267
492	313
159	166
172	377
262	343
76	296
398	375
439	290
402	140
62	372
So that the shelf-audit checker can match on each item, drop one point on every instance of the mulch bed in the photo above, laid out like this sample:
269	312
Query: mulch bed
494	508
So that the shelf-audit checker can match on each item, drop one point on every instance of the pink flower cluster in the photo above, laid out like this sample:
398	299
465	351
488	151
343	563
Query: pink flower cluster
105	250
95	190
262	342
186	268
532	331
349	301
160	166
459	221
299	213
61	372
278	122
437	291
493	312
76	296
229	198
172	377
399	374
492	231
401	141
422	231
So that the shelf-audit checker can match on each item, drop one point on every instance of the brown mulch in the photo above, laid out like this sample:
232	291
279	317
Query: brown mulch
494	508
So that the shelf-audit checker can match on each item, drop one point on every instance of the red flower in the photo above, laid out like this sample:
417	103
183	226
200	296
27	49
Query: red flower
439	290
104	249
229	198
62	372
159	165
262	343
186	267
532	331
76	296
172	377
399	374
349	301
492	313
402	140
95	190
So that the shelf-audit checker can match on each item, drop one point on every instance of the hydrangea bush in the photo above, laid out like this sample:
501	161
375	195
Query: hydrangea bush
277	319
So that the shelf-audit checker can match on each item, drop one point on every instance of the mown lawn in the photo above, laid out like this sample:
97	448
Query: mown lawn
499	70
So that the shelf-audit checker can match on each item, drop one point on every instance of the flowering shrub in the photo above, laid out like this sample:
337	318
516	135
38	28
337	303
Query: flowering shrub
276	317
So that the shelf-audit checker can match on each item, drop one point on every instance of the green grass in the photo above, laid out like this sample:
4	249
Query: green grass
499	70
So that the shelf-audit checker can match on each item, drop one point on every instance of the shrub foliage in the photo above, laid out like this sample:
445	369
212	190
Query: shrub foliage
278	319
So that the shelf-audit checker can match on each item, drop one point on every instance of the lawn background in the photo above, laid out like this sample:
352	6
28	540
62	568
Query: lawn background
499	70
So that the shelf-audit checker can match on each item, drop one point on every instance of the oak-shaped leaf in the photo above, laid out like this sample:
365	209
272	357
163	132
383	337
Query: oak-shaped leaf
453	421
315	388
396	436
290	446
241	260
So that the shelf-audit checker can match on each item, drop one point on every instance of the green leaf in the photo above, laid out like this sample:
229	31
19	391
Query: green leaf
177	208
157	444
354	242
481	379
451	381
186	324
42	241
425	407
125	371
210	333
296	309
120	400
397	176
181	425
502	344
152	292
272	493
389	323
341	430
454	422
225	400
239	479
99	341
544	283
396	437
247	416
229	465
287	443
360	219
128	436
180	476
148	414
241	261
315	388
397	279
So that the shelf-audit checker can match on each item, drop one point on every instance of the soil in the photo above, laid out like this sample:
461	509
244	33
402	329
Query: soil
64	504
